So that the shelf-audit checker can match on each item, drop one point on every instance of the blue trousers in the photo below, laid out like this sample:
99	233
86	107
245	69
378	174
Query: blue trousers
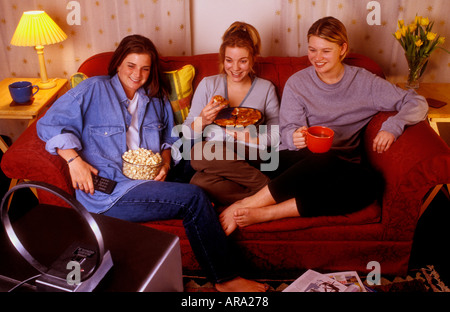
155	200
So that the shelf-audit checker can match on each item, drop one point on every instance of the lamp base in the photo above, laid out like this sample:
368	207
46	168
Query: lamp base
47	84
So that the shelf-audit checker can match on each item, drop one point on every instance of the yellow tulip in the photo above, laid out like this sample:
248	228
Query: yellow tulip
431	36
403	30
424	21
417	19
417	38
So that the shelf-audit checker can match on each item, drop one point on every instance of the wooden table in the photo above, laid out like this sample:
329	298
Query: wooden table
438	91
10	111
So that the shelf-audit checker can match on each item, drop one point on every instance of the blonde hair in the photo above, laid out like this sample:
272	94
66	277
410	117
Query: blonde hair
330	29
242	35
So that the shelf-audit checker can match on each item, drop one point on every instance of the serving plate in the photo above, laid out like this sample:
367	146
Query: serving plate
226	113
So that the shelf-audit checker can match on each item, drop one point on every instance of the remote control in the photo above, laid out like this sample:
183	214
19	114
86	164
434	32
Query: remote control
103	184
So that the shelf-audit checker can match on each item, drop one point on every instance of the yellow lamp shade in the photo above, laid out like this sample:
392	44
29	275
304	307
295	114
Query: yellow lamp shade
36	28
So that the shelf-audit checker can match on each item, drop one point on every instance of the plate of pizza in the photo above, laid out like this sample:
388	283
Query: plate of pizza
238	117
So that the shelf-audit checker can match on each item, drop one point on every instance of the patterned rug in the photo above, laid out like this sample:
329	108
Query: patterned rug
422	280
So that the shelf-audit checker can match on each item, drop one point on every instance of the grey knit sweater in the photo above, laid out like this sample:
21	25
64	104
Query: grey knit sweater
346	106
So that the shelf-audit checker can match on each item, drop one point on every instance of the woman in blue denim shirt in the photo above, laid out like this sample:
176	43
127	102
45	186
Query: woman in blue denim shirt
92	125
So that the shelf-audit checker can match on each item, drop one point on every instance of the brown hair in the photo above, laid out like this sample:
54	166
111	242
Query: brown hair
330	29
156	84
242	35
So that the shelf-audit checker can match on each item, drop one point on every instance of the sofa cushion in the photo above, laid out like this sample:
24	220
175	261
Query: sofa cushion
76	78
181	91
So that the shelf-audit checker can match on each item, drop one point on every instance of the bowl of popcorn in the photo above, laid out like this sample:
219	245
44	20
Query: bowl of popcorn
141	164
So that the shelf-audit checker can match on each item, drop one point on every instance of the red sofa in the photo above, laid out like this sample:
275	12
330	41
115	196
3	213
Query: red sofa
382	232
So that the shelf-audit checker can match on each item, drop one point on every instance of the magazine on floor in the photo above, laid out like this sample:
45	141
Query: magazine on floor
350	279
312	281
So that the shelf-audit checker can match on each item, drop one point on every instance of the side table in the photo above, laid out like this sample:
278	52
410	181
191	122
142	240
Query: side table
11	112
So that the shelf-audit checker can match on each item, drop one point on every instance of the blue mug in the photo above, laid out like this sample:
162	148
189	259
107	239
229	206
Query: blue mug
22	91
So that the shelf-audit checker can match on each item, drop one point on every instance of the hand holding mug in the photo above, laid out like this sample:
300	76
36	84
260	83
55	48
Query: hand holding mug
299	137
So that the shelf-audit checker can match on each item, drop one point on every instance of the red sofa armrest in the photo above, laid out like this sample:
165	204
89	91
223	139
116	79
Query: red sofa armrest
28	159
418	161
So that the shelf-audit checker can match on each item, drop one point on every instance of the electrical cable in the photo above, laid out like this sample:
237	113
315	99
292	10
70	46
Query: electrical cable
23	282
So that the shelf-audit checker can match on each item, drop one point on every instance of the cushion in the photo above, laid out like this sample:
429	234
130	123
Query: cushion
181	91
76	78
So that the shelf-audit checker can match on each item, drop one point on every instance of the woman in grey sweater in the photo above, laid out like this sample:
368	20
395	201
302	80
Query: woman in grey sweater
228	164
344	98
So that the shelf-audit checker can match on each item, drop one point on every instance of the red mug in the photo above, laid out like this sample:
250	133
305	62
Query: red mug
319	139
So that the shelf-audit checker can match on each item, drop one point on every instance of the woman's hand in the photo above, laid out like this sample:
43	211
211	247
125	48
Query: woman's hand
299	137
80	171
208	114
163	172
165	167
81	175
383	141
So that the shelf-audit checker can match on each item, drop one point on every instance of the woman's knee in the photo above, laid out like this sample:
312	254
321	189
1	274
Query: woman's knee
197	193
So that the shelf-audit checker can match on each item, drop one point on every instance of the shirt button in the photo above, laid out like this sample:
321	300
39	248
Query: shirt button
106	133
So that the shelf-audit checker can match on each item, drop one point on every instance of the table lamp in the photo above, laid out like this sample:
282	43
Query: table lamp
37	29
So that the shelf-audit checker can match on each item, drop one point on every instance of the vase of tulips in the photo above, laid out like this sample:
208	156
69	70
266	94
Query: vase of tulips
418	41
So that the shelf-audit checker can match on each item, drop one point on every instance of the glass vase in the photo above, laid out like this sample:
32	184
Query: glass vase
416	67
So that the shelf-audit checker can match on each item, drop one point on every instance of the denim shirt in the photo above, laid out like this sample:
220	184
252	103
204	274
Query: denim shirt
93	119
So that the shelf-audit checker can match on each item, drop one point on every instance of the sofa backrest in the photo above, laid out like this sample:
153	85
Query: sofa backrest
277	69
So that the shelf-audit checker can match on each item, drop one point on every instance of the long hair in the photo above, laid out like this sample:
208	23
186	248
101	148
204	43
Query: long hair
156	85
330	29
242	35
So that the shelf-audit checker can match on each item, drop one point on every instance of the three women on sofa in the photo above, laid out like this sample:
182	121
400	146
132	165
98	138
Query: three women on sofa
232	175
344	98
92	125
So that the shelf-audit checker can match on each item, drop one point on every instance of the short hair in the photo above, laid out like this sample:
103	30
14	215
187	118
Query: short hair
330	29
242	35
156	84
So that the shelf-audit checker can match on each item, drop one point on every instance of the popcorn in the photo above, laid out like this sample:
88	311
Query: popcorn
141	164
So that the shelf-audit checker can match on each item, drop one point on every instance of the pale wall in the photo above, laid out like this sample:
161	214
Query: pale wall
210	19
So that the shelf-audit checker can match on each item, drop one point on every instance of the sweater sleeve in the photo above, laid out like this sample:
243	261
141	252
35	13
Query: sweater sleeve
271	137
200	98
411	107
292	113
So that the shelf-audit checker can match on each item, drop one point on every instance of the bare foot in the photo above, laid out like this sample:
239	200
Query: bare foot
240	284
226	218
245	216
